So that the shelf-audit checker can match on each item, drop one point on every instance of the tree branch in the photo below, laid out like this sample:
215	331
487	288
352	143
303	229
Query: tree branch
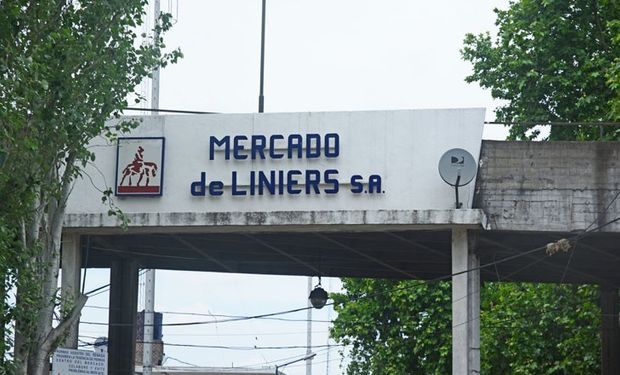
56	333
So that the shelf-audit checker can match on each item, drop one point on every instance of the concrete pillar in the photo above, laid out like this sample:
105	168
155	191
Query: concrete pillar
465	305
122	318
610	333
71	263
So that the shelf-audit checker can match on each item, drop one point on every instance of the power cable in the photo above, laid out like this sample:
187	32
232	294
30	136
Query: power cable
90	293
316	363
445	277
239	318
554	123
183	362
570	258
169	111
574	241
285	359
284	347
525	123
241	348
220	315
329	347
493	263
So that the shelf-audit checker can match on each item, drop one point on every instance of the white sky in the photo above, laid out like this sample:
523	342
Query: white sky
320	56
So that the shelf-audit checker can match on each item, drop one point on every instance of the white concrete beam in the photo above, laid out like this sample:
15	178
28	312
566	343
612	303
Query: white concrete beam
310	221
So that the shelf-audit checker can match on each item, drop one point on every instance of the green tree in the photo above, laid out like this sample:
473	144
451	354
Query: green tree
539	329
65	68
614	73
552	60
404	327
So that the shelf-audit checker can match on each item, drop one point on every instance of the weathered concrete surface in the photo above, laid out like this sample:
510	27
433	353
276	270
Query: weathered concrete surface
355	220
465	304
549	186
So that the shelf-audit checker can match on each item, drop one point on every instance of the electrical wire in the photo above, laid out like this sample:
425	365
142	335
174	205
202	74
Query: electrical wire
241	348
106	287
169	111
440	278
604	212
285	359
329	346
220	315
524	123
554	123
236	319
486	265
183	362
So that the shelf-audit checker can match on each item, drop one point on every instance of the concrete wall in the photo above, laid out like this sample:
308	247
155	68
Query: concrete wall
549	186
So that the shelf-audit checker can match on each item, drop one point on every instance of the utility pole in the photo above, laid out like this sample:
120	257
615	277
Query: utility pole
149	308
149	284
309	333
155	79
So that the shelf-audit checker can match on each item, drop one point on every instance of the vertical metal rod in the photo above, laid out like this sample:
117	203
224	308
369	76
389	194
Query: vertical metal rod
309	330
261	98
329	318
456	191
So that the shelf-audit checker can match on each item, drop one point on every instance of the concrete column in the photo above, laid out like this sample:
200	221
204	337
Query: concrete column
465	306
71	263
122	318
610	333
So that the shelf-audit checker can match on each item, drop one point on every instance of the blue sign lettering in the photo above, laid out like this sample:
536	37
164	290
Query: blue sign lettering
279	182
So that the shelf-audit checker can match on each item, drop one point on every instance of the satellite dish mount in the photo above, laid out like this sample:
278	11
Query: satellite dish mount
457	168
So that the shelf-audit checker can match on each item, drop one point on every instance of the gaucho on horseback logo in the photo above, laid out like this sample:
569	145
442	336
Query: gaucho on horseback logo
140	166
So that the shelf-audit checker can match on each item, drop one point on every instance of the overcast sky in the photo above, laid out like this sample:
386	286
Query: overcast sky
337	55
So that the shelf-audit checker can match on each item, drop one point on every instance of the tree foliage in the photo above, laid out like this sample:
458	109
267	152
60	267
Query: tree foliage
614	72
65	68
404	327
552	60
540	329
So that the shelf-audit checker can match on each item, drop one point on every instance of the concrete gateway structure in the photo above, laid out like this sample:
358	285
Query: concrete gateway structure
346	194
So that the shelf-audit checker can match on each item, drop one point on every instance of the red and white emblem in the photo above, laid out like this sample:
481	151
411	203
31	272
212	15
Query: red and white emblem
139	166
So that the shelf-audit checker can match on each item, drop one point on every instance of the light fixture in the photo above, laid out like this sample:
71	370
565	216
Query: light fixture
318	296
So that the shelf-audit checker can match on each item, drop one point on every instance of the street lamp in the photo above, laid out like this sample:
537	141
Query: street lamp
318	296
278	367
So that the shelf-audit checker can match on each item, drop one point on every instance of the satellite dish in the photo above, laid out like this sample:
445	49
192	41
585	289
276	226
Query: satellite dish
457	167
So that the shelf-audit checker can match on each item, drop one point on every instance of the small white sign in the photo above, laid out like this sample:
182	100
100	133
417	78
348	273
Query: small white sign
79	362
